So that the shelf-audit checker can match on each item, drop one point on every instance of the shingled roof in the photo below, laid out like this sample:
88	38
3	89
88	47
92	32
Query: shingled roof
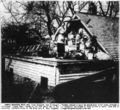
107	31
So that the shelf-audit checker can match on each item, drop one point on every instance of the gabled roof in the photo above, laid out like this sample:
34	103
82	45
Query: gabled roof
107	31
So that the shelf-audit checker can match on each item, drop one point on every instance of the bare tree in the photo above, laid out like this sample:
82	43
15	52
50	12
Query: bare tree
9	7
41	15
112	8
47	12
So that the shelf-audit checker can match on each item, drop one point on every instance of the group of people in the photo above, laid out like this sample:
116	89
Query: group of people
79	39
85	47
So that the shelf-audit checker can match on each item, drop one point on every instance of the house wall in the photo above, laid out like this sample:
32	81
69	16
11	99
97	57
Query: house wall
107	31
33	71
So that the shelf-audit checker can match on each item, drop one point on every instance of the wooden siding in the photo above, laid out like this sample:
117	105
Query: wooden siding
70	77
32	70
57	71
84	66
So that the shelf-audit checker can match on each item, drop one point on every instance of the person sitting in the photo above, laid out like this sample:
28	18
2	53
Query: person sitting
80	56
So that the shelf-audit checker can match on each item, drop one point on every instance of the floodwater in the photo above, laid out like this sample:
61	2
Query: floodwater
78	91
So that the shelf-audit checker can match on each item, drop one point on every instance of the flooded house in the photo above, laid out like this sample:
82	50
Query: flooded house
83	54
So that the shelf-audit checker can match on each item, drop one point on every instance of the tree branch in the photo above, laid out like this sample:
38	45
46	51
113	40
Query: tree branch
10	11
101	9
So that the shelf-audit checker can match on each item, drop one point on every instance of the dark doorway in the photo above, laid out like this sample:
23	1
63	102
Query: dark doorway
44	82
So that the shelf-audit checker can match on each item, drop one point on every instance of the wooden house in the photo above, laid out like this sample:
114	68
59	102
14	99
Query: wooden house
52	71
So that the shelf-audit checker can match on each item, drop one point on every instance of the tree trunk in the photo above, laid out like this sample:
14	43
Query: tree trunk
111	8
108	8
49	24
49	28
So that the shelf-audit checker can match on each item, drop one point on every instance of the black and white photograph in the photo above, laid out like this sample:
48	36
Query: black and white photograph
59	51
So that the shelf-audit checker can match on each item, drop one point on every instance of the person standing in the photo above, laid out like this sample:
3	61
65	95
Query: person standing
94	45
60	44
79	35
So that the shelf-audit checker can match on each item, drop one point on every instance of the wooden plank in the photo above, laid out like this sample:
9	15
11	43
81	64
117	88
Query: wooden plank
70	77
77	74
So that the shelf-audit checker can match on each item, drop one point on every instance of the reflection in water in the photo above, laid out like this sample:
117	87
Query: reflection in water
85	90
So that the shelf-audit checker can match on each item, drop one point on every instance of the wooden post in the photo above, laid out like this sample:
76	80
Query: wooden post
10	76
3	68
57	76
